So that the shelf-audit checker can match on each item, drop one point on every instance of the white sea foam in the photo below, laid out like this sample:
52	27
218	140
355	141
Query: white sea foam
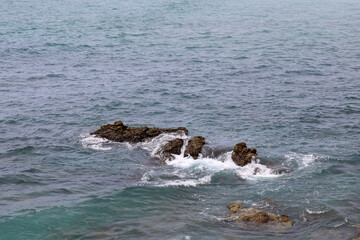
300	160
202	163
255	171
96	143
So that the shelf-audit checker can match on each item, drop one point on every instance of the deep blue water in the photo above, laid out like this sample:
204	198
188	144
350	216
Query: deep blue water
283	76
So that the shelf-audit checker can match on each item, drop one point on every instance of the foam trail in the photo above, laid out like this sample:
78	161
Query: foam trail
186	182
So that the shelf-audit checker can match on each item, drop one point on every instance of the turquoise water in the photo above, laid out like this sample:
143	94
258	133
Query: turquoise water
283	76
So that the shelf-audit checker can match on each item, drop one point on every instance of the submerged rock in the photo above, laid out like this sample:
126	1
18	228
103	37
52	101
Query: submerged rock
215	151
121	133
281	170
242	155
194	147
172	147
241	216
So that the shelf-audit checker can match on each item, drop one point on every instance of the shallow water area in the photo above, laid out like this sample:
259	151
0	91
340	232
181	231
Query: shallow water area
282	76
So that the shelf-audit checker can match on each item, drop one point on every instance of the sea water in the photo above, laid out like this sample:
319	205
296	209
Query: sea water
281	75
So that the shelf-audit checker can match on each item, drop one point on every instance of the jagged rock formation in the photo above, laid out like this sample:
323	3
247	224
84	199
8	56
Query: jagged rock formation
194	147
121	133
242	155
241	215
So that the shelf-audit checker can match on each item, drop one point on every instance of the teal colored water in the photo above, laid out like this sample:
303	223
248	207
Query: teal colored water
283	76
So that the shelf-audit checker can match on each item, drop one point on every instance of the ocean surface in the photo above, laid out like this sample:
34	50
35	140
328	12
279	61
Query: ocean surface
281	75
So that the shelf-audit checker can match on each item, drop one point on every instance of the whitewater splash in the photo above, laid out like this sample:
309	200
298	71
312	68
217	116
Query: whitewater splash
187	171
95	143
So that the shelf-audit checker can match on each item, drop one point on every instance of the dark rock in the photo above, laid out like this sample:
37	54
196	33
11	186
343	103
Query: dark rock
194	147
241	215
121	133
172	147
242	155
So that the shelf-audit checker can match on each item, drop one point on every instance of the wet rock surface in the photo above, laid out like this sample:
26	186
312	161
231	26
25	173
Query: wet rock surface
243	155
172	147
121	133
240	215
194	147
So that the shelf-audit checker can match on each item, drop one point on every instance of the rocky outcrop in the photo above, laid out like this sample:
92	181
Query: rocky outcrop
241	215
194	147
172	147
242	155
121	133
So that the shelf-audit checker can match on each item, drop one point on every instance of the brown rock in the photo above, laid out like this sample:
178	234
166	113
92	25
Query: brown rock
121	133
254	216
241	215
242	155
172	147
194	147
284	218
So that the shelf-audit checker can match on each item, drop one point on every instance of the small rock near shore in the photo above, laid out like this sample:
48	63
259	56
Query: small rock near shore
239	214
